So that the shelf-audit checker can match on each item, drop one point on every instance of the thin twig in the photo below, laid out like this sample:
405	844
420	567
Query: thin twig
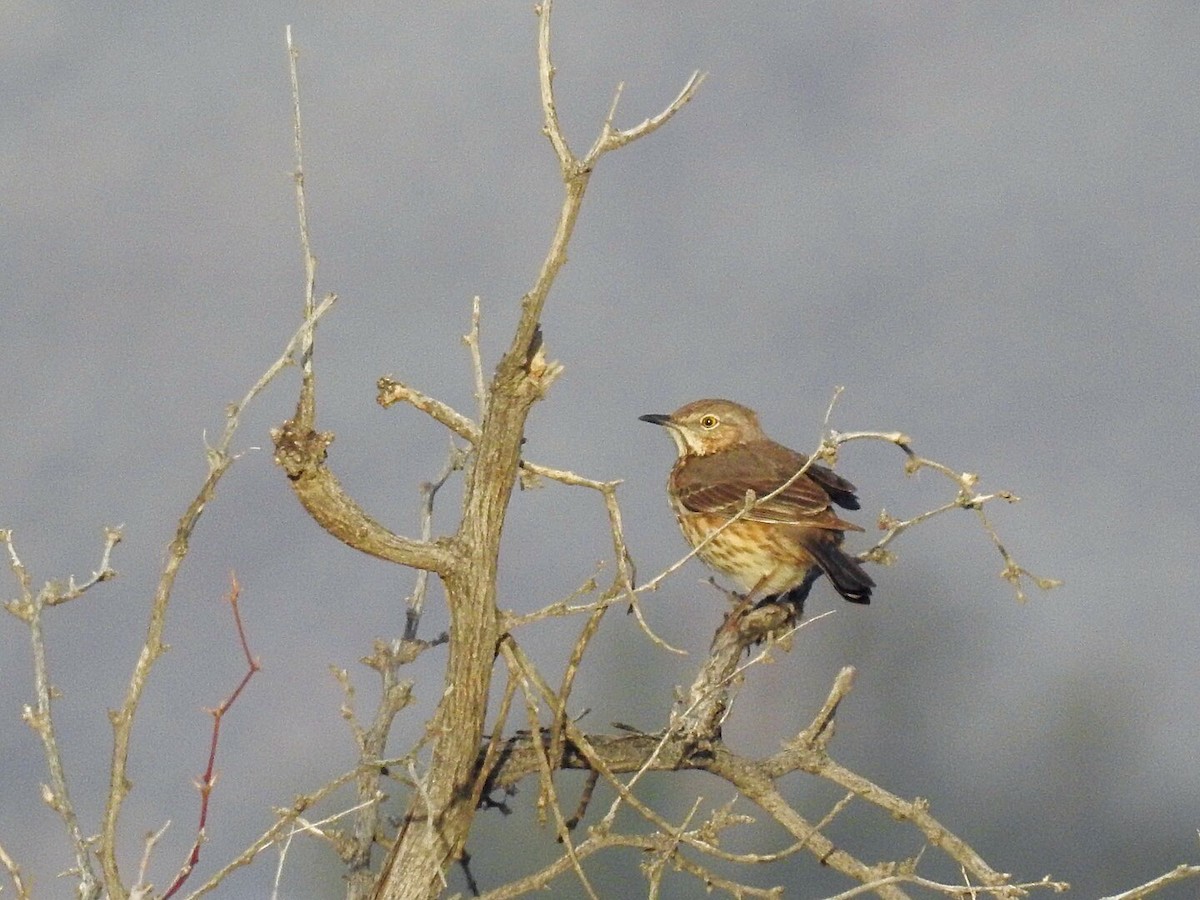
656	867
141	887
974	891
471	339
623	587
395	695
492	752
966	497
612	138
14	874
29	608
285	820
549	796
552	128
559	705
1179	873
306	410
313	828
455	460
209	779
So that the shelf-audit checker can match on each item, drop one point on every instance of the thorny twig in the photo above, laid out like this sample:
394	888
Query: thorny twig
209	779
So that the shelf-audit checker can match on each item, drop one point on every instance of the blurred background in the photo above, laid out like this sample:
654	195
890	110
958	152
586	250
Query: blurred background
979	219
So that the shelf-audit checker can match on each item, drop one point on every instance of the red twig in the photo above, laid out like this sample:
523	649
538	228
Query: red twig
209	779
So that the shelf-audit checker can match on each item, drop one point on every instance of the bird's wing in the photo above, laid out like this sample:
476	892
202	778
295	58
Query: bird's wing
840	490
718	485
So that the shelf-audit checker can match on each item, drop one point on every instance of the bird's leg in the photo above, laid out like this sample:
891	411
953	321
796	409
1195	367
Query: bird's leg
746	602
732	596
797	595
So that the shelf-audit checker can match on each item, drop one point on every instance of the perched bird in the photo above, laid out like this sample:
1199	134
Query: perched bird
781	545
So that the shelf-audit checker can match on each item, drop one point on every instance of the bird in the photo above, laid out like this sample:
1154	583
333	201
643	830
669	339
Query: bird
781	545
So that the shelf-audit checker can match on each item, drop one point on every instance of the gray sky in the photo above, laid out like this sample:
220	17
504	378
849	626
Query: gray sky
980	219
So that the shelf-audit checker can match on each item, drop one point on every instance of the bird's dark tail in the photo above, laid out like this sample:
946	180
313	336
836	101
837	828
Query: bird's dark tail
848	577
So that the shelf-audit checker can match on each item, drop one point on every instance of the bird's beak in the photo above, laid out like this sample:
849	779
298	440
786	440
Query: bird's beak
655	419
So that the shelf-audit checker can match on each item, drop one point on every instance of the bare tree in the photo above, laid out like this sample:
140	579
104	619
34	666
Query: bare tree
474	749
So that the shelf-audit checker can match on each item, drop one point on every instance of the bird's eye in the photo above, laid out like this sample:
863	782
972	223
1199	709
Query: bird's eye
709	422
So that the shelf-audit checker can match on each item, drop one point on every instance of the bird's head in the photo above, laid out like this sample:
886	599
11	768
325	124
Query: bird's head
704	427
